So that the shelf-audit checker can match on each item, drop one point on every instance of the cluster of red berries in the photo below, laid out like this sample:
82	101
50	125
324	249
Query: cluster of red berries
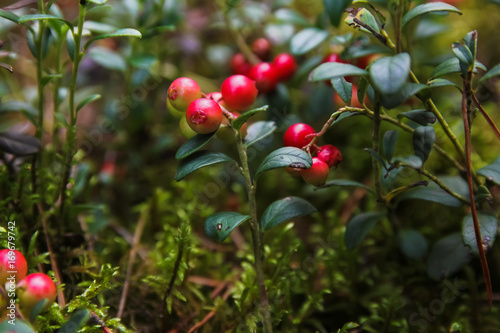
30	289
203	114
300	135
266	74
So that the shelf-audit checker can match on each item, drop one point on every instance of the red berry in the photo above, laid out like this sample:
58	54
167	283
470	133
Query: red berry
317	174
239	65
265	75
239	92
261	48
285	66
217	97
330	155
182	92
33	289
295	135
12	261
204	116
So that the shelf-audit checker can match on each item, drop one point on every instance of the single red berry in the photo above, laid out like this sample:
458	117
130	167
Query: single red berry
240	65
204	116
182	92
317	174
265	75
12	261
330	155
295	135
261	47
285	66
33	289
239	92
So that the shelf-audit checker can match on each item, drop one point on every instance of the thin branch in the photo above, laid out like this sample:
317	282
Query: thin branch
210	314
133	253
485	115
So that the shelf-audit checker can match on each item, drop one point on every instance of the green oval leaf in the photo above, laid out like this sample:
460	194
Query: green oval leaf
364	20
463	53
330	70
284	210
412	243
408	90
389	143
488	224
343	88
442	83
199	160
285	157
192	145
452	66
490	74
238	122
119	33
427	8
359	226
9	16
423	140
335	9
306	40
431	194
77	321
219	225
87	100
18	144
491	172
344	182
258	131
421	117
377	157
389	74
38	17
447	257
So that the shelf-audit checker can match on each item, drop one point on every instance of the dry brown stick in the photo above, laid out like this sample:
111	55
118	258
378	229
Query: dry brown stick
133	252
53	261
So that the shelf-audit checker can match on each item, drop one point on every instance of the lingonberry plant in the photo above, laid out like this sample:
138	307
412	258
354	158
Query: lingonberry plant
204	178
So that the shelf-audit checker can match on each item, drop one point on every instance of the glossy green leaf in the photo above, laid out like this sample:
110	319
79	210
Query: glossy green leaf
408	90
107	58
452	66
488	224
412	161
389	74
306	40
285	157
363	86
38	17
377	157
18	144
491	172
421	117
199	160
9	16
359	227
447	257
427	8
70	45
291	16
343	88
219	225
431	194
76	322
335	10
412	243
258	131
329	70
471	42
463	53
192	145
344	182
442	83
119	33
362	50
344	115
238	122
87	100
423	140
389	143
284	210
495	71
